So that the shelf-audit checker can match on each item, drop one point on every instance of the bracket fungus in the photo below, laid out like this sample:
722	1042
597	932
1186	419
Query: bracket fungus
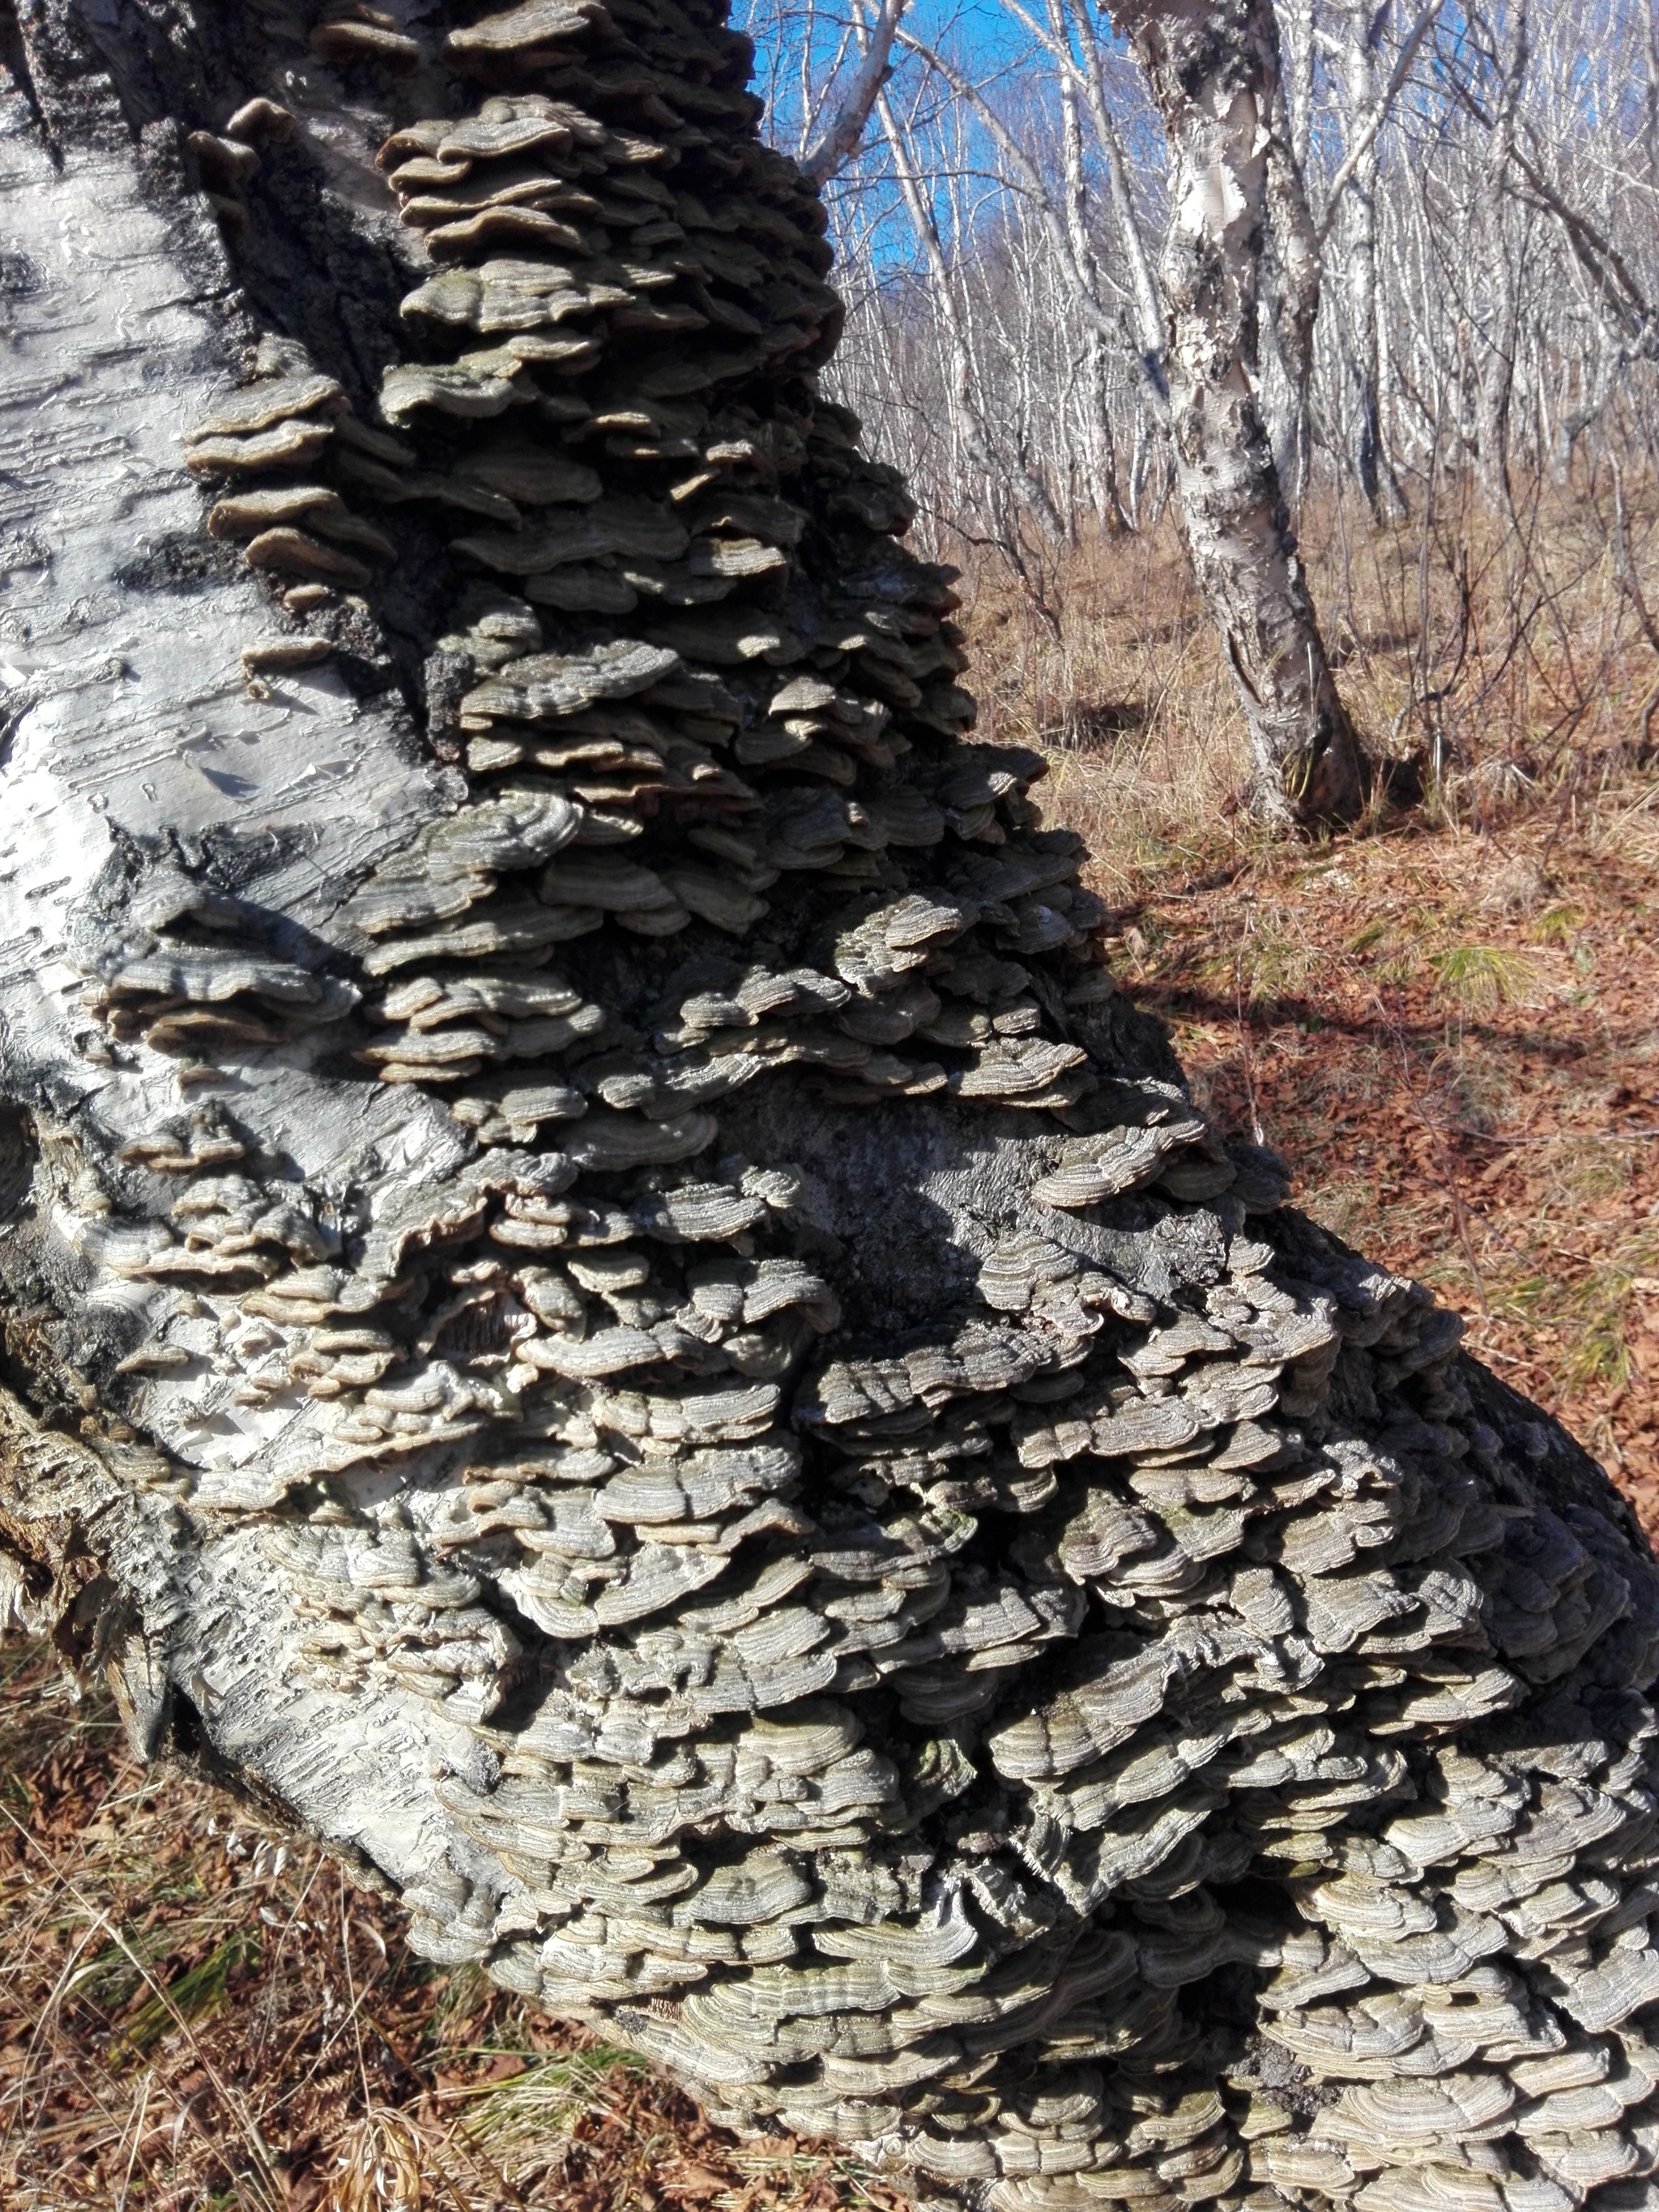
679	1377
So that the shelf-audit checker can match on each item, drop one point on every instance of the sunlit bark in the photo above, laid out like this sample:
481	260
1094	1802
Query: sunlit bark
1213	71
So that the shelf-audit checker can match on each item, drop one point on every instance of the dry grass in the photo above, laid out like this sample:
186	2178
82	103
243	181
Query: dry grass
1511	661
197	2014
1446	1020
1469	1095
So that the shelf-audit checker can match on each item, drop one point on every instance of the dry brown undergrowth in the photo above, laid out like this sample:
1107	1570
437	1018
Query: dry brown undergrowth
196	2014
1446	1020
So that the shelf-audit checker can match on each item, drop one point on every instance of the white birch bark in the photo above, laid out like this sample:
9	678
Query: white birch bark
1212	71
1363	27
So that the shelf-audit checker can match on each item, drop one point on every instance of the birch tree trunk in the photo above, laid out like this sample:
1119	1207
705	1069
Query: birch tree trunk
1034	494
1297	282
1362	29
1099	471
1494	385
1213	73
604	1307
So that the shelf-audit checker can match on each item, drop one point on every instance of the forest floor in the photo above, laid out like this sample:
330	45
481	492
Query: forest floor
1446	1020
1455	1038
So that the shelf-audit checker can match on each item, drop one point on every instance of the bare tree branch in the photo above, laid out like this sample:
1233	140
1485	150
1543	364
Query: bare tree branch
1366	136
1035	185
976	434
845	135
1609	271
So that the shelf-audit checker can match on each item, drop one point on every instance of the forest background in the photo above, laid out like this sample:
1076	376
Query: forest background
1443	1013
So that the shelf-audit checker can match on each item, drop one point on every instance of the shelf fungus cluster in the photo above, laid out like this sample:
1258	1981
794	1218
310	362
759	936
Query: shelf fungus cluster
660	1358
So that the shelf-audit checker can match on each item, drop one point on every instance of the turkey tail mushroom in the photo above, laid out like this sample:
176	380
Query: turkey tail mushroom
671	1369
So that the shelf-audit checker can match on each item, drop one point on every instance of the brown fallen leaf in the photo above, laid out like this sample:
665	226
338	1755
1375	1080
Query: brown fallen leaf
688	2180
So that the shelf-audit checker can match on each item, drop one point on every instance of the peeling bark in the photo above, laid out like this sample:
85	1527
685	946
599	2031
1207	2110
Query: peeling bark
1212	71
605	1308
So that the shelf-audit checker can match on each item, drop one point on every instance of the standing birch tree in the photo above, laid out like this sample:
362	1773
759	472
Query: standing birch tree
1213	69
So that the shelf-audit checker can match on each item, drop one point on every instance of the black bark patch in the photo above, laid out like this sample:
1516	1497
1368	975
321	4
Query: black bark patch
180	562
20	278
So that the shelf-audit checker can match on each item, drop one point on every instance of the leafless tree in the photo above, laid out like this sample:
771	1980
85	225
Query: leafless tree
1214	74
1457	296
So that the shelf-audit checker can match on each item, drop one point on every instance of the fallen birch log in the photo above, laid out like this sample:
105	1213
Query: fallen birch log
606	1309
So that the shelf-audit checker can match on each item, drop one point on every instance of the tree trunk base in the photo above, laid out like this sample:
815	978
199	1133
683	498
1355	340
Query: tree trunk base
605	1308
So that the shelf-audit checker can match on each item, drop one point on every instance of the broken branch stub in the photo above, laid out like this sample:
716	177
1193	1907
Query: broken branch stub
614	1313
